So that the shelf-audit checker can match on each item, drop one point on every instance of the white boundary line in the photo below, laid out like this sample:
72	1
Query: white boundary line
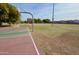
33	42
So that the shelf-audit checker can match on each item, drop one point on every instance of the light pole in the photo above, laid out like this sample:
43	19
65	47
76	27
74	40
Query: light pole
32	19
53	14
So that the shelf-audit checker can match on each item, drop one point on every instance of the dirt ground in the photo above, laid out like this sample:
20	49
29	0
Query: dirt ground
57	39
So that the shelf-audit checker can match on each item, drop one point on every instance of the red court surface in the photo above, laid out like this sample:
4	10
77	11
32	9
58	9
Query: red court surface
17	46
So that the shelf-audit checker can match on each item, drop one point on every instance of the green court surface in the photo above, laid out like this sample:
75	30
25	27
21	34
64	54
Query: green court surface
14	33
9	34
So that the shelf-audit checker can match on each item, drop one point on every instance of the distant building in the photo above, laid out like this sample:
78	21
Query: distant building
29	20
76	21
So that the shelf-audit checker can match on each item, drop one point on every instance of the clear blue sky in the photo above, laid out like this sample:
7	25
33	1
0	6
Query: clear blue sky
63	11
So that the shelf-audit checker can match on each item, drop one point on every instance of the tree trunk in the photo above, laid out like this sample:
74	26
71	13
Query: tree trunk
0	24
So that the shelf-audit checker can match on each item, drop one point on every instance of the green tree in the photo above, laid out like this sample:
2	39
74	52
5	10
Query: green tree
46	20
3	13
9	14
38	20
14	15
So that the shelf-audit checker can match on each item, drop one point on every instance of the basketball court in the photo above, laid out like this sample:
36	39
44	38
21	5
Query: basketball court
17	41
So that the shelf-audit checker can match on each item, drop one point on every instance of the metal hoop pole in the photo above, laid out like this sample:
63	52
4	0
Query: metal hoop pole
32	19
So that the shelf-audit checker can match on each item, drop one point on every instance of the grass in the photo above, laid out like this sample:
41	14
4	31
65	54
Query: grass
57	39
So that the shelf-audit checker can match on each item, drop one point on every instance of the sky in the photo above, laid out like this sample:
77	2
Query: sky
62	11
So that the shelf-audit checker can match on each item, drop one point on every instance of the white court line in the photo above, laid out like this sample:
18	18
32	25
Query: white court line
34	43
